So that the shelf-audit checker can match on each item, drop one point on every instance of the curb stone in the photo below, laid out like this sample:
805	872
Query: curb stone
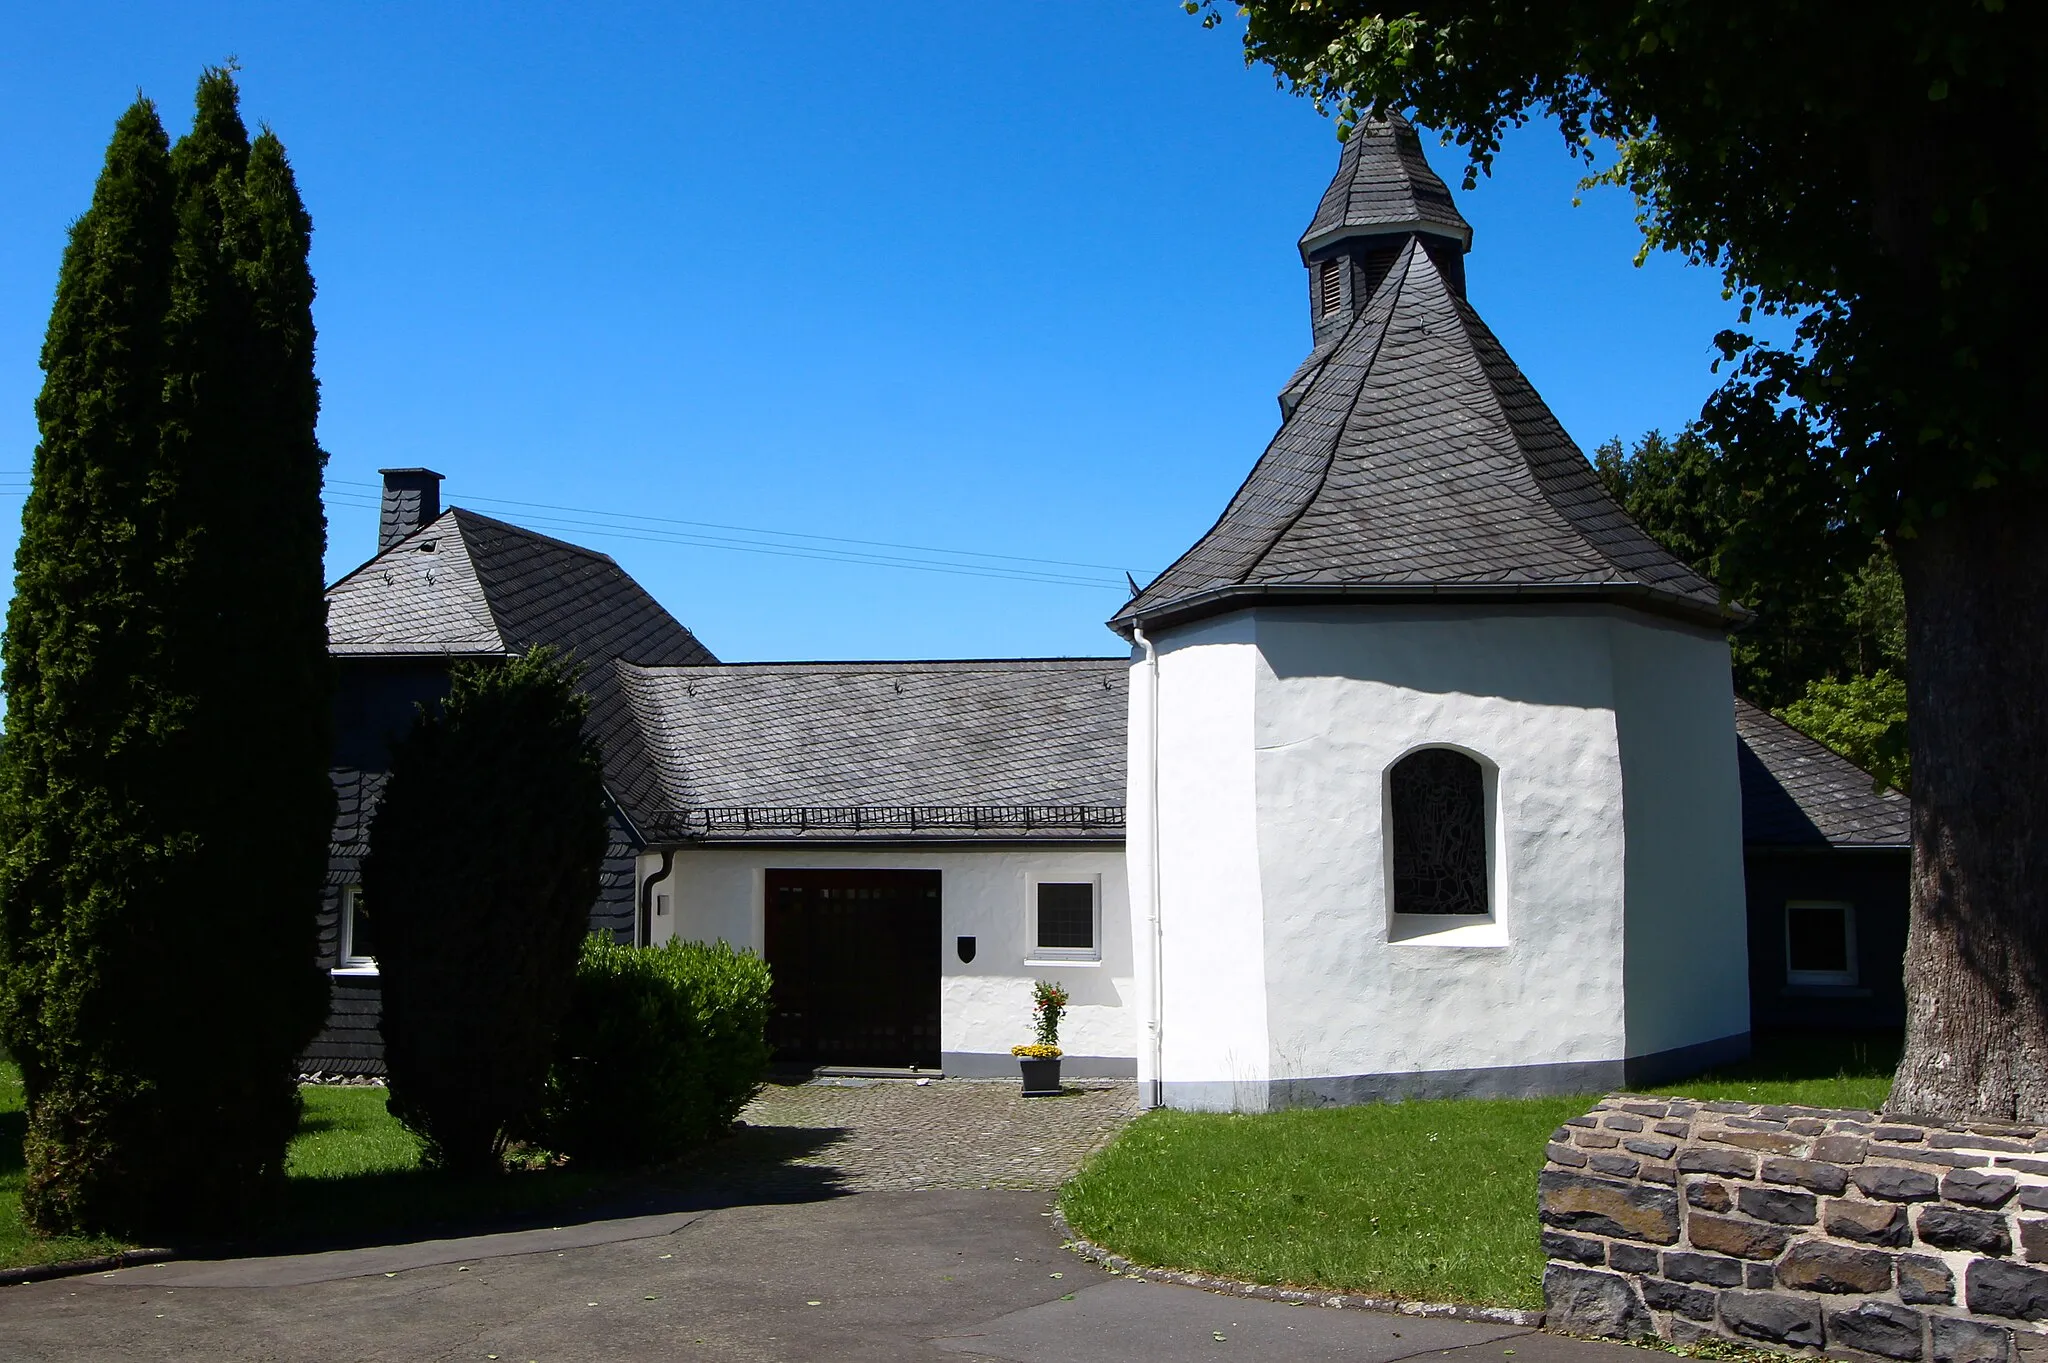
71	1268
1237	1287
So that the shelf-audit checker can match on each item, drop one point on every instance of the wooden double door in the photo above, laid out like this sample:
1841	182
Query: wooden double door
855	960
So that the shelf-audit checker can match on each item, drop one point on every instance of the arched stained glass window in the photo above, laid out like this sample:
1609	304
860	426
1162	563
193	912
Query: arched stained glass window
1438	800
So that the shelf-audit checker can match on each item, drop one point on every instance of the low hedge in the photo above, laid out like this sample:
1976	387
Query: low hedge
661	1048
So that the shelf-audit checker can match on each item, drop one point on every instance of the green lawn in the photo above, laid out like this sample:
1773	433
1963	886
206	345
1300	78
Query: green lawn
1846	1070
353	1174
1430	1201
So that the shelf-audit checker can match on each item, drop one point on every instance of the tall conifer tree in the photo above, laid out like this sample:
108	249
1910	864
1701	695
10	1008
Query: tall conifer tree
165	801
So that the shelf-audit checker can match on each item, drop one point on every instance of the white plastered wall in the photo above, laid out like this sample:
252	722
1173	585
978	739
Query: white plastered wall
1215	1053
1617	930
1342	695
1688	934
984	1005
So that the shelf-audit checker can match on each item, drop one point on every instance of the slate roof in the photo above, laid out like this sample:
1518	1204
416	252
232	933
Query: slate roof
1800	793
1419	464
1384	184
466	585
981	750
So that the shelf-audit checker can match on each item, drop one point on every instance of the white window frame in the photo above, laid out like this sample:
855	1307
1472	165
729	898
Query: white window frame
1044	955
351	964
1448	929
1826	978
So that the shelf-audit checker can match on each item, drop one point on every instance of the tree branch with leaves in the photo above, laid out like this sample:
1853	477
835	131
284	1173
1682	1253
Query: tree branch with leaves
1875	173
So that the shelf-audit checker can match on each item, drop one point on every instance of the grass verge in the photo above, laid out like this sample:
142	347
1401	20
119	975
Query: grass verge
1431	1201
18	1245
353	1173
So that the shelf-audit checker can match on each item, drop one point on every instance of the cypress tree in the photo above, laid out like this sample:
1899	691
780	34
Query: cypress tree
240	453
483	860
86	635
164	807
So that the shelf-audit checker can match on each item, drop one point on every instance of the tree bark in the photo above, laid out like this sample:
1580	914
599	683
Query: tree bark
1976	582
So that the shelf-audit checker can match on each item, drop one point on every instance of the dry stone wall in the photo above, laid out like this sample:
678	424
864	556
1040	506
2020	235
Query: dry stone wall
1798	1228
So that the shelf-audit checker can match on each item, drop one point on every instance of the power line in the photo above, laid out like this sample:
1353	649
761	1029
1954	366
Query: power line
757	530
819	553
625	525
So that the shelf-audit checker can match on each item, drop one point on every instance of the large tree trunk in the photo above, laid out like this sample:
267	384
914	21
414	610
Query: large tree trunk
1976	583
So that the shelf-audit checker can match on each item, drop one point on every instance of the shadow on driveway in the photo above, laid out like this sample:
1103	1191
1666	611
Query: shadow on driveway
755	1166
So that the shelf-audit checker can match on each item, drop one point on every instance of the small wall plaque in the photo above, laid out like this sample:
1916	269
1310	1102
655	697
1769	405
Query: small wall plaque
966	949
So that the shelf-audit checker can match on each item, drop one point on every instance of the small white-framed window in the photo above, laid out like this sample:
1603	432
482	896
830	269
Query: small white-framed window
1820	942
358	954
1066	919
1442	872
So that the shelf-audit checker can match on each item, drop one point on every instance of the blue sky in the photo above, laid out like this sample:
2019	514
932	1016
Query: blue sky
1011	280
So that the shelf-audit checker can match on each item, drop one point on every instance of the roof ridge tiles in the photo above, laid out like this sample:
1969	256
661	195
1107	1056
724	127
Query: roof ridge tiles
464	513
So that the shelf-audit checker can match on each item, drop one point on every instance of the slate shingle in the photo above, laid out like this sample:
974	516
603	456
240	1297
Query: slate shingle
1797	792
467	585
1035	745
1418	461
1383	183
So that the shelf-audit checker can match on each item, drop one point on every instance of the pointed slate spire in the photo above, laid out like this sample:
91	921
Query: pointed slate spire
1383	185
1383	196
1418	464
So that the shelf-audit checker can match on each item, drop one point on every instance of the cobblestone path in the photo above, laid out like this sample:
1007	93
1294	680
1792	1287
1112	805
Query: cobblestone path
894	1134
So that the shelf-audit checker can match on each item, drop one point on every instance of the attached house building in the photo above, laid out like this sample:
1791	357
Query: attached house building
1423	774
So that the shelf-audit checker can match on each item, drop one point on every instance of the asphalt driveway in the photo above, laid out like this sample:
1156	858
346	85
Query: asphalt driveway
936	1275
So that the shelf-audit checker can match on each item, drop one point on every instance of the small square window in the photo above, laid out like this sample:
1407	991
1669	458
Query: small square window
1066	924
1820	943
358	935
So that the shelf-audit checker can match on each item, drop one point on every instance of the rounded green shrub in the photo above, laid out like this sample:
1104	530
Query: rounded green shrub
661	1048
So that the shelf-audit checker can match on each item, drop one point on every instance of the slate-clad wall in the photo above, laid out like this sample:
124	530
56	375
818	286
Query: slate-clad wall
1798	1228
1875	882
617	908
350	1042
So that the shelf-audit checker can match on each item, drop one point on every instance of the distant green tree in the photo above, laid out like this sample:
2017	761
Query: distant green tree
164	806
1675	491
483	862
1862	718
1829	612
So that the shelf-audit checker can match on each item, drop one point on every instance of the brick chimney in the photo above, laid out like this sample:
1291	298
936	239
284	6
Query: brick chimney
412	497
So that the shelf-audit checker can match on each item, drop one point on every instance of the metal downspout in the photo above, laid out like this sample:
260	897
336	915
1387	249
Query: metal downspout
1155	1005
646	923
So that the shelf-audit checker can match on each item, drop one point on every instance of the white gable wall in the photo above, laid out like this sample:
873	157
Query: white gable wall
1688	933
984	893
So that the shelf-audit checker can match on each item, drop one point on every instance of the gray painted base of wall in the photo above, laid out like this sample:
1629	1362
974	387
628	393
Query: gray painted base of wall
981	1065
1502	1081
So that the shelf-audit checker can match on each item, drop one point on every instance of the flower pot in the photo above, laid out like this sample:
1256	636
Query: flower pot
1041	1077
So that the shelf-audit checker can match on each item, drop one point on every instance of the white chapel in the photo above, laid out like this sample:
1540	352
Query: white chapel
1432	773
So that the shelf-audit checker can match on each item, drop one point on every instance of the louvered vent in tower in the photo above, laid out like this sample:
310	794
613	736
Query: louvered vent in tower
1329	287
